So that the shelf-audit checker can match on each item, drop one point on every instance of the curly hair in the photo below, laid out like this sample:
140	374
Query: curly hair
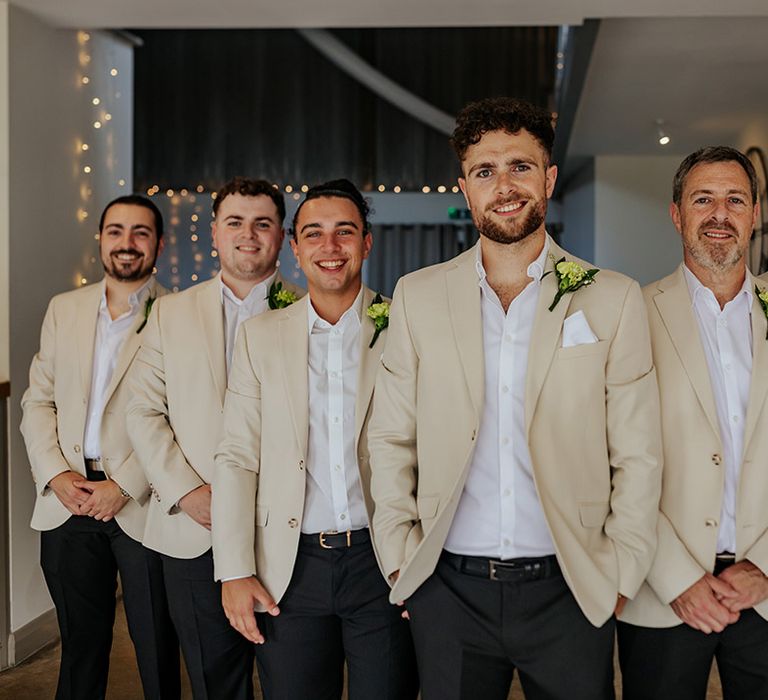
501	114
337	188
251	188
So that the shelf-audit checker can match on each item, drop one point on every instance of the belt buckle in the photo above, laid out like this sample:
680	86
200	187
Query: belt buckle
492	570
322	536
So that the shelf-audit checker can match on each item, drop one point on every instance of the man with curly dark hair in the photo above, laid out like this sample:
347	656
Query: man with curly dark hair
515	448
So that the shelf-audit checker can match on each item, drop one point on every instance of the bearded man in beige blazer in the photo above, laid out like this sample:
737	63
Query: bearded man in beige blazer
294	461
92	494
515	439
175	422
707	593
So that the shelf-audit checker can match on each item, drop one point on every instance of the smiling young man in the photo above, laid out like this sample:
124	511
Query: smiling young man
707	593
294	461
92	494
175	418
514	439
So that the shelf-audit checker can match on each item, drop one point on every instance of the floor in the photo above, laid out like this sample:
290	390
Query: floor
35	679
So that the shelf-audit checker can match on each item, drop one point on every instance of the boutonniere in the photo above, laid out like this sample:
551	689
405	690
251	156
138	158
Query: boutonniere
278	297
378	312
147	308
570	277
762	297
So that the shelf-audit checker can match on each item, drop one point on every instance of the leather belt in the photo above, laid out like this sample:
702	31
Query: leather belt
723	561
510	571
93	470
337	540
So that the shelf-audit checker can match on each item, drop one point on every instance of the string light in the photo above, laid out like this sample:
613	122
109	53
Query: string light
455	189
85	147
87	169
396	189
96	101
289	189
426	189
305	188
97	125
382	188
85	80
113	72
441	188
108	117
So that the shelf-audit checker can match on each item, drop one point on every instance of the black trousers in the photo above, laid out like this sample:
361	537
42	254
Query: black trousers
219	659
471	633
336	608
674	663
80	561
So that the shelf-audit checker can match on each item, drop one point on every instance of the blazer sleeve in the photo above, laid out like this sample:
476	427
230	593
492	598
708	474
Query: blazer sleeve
633	425
38	423
392	440
149	428
236	470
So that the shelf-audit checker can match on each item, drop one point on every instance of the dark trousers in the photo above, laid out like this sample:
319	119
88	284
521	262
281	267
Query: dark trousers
219	659
472	632
80	561
336	608
674	663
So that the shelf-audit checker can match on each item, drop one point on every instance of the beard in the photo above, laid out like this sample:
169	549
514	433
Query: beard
513	231
711	255
128	271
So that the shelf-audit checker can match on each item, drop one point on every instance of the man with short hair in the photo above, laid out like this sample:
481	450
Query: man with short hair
707	593
92	493
175	423
514	440
294	462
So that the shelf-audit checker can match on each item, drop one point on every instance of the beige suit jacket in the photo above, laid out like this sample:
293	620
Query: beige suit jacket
260	465
55	408
175	414
693	478
592	420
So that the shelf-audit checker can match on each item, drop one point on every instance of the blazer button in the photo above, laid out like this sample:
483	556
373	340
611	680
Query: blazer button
77	448
293	522
710	522
717	460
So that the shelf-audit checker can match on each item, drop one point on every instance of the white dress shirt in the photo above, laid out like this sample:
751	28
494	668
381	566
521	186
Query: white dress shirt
109	339
238	310
334	497
726	336
499	514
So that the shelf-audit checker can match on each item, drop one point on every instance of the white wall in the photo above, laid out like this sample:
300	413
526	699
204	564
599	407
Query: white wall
633	231
578	214
52	243
4	218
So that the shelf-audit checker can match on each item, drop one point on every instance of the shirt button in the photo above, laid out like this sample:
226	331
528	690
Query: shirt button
505	388
507	493
735	419
334	374
505	441
507	542
335	419
338	467
343	516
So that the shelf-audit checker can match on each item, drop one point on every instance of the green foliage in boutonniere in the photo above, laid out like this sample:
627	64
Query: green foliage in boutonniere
147	308
278	297
570	277
378	312
762	297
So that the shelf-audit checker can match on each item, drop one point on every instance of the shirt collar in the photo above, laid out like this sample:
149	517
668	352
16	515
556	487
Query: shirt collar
353	313
258	292
135	300
698	291
535	269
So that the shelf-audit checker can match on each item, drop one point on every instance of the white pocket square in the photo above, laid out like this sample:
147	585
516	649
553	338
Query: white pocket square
576	331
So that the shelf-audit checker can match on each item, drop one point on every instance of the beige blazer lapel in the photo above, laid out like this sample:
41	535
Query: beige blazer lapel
369	364
293	349
675	308
466	318
87	317
545	336
759	382
130	346
210	315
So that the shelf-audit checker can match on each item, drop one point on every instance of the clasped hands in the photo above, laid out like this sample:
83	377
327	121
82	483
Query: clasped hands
714	602
101	500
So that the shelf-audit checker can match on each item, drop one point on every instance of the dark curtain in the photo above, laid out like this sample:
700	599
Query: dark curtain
210	104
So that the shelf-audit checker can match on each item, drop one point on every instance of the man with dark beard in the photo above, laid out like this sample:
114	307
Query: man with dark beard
92	493
707	592
514	440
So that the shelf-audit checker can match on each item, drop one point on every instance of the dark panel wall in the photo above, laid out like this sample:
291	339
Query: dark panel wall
214	103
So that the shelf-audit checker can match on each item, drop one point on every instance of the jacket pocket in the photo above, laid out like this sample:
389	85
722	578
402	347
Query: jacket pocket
593	514
583	350
427	506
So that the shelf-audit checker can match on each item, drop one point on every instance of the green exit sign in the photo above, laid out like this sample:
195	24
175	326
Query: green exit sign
456	213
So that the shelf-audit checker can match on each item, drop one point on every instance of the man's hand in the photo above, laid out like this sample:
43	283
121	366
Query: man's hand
621	601
750	584
104	501
197	505
703	605
401	603
66	490
239	597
